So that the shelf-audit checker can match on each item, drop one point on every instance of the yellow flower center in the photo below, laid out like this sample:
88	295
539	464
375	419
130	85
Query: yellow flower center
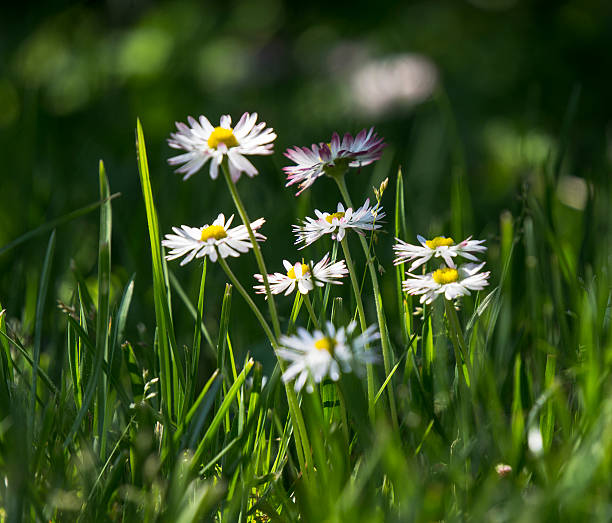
331	217
222	135
445	275
291	272
326	343
439	241
213	231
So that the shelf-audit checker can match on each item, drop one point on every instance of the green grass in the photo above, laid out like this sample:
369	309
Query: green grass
123	429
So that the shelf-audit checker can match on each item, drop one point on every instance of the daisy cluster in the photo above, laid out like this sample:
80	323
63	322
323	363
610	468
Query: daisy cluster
448	280
330	350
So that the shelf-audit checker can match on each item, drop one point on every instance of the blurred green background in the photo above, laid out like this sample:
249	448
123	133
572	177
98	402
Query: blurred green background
473	89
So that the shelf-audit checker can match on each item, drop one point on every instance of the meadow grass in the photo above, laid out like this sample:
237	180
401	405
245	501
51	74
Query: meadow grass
498	411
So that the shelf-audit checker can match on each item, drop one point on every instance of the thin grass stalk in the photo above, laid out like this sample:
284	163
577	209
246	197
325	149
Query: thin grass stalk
362	321
291	397
103	316
461	354
40	305
256	250
295	310
159	292
380	313
311	312
302	438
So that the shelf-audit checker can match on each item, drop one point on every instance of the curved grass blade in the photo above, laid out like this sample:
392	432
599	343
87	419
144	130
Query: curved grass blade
40	307
54	224
103	316
220	414
101	346
169	355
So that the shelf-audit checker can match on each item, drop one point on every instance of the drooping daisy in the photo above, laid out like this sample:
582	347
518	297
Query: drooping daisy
449	281
328	158
365	218
325	354
440	246
204	142
304	277
197	242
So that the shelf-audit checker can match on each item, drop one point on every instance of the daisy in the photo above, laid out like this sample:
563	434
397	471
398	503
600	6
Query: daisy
333	157
336	224
325	354
304	277
450	281
204	142
440	246
211	240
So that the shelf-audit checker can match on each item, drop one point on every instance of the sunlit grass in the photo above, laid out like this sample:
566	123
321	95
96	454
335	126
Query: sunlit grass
498	411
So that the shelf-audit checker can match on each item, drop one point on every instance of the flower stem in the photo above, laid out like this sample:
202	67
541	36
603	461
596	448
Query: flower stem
380	312
301	437
311	311
295	310
362	322
461	354
249	300
256	250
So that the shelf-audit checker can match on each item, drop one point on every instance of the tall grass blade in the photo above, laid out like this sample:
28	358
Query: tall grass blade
103	316
54	224
169	355
38	326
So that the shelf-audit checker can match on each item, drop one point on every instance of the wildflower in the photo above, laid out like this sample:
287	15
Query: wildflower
332	158
304	277
211	240
336	224
204	142
503	470
439	246
535	441
325	354
450	281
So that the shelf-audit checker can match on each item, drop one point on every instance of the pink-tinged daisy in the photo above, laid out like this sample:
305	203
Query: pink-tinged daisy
365	218
211	240
333	157
203	142
325	353
303	277
439	246
449	281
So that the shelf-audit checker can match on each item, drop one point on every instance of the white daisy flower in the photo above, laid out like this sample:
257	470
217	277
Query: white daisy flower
304	277
197	242
450	281
325	354
440	246
204	142
327	158
363	219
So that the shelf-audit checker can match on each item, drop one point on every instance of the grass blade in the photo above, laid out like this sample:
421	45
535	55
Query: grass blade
103	316
40	307
169	355
54	224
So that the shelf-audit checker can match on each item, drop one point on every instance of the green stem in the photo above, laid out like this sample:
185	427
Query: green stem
302	443
380	312
249	300
461	353
362	322
300	435
295	310
311	311
345	430
256	250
